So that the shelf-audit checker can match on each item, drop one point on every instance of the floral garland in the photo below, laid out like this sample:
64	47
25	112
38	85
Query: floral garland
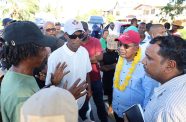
119	66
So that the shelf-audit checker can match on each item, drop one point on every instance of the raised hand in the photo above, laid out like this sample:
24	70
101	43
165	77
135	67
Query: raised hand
77	90
59	73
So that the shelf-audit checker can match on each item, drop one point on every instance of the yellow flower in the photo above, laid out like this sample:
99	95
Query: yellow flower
119	66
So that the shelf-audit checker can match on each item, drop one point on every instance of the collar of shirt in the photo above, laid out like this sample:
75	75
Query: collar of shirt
173	83
67	50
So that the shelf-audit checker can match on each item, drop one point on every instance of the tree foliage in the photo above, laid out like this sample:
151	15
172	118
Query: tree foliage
21	9
172	9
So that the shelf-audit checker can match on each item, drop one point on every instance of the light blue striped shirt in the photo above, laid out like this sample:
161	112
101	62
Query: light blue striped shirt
168	103
138	91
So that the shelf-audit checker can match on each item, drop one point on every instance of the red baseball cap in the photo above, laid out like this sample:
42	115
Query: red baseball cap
129	37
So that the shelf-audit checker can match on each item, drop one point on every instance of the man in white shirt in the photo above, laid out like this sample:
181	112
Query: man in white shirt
75	56
165	62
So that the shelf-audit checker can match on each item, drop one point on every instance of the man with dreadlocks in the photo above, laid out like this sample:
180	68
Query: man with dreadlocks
25	50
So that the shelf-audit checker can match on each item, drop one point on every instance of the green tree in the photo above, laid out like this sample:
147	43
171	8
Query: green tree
172	9
21	9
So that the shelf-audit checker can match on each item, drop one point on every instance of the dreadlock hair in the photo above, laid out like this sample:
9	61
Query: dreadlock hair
173	48
15	54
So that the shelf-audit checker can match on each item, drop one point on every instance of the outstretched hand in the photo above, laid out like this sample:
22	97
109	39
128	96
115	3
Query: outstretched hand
59	73
77	90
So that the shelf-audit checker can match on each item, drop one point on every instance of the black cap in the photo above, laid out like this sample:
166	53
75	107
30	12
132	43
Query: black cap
5	21
23	32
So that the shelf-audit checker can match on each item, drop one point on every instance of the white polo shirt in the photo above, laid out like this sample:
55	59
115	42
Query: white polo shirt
168	103
78	63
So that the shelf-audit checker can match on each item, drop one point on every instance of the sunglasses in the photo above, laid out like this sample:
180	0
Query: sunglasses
81	36
126	46
50	29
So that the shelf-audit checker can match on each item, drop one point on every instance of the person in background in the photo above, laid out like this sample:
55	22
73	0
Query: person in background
103	39
107	66
96	55
167	27
165	62
131	85
40	74
59	32
96	30
176	25
147	35
112	29
133	26
142	30
155	31
50	105
6	22
49	29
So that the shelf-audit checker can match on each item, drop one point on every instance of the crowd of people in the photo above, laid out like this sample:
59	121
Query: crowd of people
50	75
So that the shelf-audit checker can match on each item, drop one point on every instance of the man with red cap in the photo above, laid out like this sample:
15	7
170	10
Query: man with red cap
131	85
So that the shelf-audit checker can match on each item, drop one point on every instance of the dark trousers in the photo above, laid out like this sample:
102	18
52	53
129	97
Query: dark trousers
84	109
117	118
97	89
110	99
97	95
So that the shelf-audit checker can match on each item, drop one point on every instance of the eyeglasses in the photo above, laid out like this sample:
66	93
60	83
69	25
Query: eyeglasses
81	36
126	46
50	29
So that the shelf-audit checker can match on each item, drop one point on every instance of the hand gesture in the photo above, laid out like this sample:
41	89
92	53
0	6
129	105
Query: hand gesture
59	73
77	90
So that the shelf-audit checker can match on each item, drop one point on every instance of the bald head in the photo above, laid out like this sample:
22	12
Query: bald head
157	30
49	29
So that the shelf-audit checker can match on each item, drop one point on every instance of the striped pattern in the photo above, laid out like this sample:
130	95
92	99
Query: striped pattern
168	103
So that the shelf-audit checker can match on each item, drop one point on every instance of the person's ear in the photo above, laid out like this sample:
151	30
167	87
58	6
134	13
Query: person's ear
171	65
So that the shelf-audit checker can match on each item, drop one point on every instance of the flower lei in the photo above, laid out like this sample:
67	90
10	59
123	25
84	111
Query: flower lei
119	66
